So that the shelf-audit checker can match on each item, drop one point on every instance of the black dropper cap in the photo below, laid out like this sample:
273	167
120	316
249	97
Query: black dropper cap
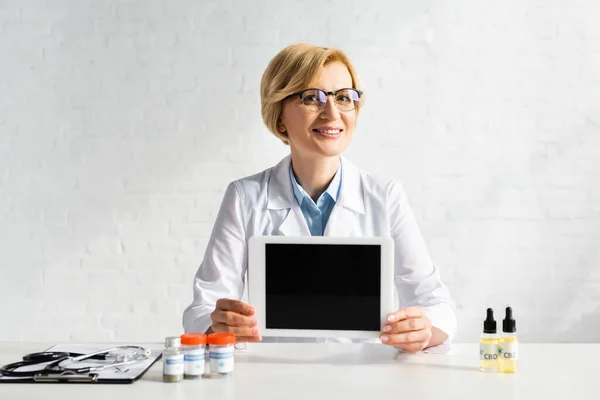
509	325
489	325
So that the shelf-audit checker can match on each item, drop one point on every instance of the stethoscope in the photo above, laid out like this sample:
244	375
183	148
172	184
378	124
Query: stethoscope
55	362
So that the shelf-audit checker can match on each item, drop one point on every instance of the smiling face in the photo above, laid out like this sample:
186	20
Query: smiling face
324	133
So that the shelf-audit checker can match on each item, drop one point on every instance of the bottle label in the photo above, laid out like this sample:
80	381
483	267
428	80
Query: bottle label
488	351
509	351
173	364
193	361
221	360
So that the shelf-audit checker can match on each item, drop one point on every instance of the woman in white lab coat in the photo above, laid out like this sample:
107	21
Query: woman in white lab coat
310	99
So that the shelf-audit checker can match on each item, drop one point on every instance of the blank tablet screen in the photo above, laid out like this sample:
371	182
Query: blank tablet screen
323	286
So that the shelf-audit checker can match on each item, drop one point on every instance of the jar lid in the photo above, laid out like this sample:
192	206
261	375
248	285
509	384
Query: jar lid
193	338
172	341
222	338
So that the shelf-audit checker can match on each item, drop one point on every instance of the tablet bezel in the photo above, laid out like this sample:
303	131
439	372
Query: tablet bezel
257	290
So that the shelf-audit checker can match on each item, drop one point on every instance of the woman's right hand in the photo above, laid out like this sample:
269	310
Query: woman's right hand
235	317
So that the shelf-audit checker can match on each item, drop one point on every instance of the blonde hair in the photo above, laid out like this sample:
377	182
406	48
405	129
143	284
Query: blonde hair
292	70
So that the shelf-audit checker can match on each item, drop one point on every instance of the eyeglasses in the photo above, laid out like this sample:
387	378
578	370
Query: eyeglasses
315	99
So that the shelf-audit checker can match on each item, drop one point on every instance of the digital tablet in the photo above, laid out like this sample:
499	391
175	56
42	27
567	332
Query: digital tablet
321	286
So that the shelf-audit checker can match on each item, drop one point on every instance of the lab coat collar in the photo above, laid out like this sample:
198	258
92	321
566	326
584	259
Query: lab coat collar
350	202
351	194
279	189
281	195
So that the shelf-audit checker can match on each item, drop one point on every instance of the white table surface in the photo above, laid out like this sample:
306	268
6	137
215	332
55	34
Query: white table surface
348	371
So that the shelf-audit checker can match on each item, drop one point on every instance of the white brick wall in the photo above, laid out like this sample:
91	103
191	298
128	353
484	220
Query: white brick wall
121	123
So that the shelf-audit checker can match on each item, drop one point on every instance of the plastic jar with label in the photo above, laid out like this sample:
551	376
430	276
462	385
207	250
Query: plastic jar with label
193	355
173	360
221	347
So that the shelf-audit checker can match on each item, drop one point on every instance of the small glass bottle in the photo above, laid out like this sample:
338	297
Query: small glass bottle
488	344
222	348
173	360
193	355
509	344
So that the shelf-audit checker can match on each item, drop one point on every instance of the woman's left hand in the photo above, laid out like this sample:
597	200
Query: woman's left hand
408	329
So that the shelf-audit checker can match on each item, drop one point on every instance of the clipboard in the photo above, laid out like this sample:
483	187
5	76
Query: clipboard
127	374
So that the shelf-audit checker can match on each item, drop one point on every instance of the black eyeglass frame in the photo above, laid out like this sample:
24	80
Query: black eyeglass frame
327	94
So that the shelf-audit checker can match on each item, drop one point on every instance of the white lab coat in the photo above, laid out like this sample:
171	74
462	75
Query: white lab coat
264	204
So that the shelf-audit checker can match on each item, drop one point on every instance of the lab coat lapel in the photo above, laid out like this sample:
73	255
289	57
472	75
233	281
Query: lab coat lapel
284	209
341	222
350	205
294	224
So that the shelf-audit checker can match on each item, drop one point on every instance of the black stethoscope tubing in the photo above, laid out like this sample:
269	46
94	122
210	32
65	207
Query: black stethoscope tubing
54	359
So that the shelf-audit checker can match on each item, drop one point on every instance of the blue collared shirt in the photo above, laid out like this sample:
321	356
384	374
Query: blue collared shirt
317	215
